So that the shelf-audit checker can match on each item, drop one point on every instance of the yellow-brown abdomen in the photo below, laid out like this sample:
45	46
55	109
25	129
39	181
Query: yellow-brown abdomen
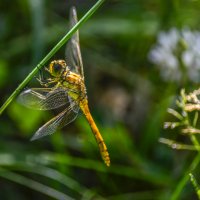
102	146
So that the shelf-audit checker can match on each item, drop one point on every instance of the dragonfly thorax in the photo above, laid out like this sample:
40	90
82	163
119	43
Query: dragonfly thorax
57	68
74	83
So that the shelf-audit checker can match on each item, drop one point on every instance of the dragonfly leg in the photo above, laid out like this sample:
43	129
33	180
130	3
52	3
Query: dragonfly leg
42	81
41	78
46	81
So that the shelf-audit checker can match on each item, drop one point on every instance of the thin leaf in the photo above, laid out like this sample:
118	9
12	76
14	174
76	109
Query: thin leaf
51	53
33	185
195	184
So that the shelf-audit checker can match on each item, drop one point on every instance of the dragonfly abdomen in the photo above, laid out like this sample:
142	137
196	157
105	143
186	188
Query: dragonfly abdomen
102	146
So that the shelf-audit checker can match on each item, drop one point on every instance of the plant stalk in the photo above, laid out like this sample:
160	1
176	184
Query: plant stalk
51	53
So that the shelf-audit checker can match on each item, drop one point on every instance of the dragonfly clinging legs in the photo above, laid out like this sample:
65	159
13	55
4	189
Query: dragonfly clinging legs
65	88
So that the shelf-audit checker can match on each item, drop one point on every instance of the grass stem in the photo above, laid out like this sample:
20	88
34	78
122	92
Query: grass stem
51	53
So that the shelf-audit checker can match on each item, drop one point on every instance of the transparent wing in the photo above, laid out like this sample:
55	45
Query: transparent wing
43	98
73	52
74	108
59	121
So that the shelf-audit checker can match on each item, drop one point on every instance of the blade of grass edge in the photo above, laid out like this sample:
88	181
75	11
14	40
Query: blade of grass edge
34	185
51	53
181	184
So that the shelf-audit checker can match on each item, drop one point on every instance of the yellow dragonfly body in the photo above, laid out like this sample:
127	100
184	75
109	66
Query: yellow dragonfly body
67	91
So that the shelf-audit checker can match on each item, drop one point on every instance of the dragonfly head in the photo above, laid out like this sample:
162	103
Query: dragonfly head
57	67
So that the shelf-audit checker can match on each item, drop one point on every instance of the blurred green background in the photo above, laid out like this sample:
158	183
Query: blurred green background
127	96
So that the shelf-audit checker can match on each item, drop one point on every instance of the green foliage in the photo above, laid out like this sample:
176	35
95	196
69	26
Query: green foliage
3	73
25	124
195	184
188	123
128	100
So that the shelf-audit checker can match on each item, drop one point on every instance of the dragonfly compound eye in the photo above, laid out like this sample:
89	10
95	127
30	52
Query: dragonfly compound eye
56	68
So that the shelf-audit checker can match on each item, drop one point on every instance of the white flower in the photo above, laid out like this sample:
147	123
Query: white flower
177	54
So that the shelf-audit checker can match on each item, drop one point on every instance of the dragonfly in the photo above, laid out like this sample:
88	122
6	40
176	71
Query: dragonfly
65	90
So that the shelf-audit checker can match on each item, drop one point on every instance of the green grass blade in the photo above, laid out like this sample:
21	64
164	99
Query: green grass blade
54	175
195	184
51	53
179	188
54	158
9	162
33	184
